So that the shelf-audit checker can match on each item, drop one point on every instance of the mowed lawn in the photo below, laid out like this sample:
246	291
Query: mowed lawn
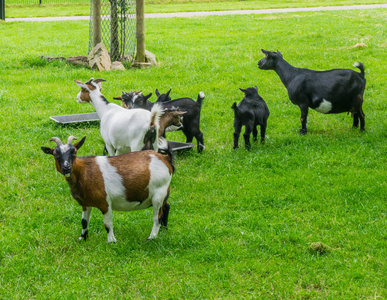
243	224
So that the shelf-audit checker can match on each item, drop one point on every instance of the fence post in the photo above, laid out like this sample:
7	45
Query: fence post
2	9
140	30
96	22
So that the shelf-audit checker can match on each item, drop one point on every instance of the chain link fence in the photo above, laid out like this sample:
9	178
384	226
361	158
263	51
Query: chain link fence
118	28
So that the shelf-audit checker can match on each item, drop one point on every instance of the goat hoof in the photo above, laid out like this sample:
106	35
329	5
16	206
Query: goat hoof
303	131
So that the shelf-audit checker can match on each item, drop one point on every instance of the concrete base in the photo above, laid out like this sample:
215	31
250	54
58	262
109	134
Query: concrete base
141	65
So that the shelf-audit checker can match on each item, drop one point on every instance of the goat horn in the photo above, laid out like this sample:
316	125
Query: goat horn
70	140
98	80
57	140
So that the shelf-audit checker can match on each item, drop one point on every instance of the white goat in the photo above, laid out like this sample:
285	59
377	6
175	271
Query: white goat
123	130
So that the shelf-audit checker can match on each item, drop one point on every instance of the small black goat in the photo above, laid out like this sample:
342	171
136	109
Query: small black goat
329	92
191	119
250	112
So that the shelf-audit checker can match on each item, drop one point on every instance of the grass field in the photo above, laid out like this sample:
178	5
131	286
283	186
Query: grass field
164	6
242	223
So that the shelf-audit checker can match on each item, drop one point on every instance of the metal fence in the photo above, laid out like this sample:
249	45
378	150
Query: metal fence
118	28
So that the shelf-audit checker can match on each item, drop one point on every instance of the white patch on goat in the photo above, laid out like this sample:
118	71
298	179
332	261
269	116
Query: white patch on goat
114	187
64	148
324	107
159	174
135	97
158	189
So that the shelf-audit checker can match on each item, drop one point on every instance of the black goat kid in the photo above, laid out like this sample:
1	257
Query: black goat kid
250	112
329	92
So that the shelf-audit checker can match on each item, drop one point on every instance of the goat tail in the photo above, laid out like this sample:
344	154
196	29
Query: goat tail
360	66
200	98
156	112
150	140
165	149
235	108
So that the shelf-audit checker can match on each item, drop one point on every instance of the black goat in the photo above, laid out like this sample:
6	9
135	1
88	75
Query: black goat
329	92
250	112
191	119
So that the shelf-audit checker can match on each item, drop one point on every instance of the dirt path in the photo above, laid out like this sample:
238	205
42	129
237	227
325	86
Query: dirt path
212	13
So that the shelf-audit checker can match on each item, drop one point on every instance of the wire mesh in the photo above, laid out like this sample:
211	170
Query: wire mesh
118	28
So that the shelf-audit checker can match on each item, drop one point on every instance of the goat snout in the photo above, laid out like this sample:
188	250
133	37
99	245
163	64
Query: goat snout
66	169
174	128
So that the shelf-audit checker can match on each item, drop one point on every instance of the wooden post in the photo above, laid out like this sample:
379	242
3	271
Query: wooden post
140	61
140	30
96	22
114	42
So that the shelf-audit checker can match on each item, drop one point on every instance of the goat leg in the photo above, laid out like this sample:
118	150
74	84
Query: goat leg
108	222
86	213
263	132
355	120
163	214
246	136
255	133
304	116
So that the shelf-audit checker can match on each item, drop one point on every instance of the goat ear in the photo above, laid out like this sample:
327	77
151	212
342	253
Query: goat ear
279	53
148	96
157	93
81	84
234	106
79	144
256	88
265	52
168	92
47	150
118	98
244	91
181	112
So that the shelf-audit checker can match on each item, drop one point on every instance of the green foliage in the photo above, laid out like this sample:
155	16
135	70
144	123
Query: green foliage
242	223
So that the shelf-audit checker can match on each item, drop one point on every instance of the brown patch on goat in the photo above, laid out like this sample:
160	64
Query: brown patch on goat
85	94
139	174
86	186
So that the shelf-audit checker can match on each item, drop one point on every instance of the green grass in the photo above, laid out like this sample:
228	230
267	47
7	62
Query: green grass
165	6
241	223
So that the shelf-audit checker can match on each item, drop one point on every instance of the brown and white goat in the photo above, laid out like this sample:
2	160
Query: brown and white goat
127	182
170	120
